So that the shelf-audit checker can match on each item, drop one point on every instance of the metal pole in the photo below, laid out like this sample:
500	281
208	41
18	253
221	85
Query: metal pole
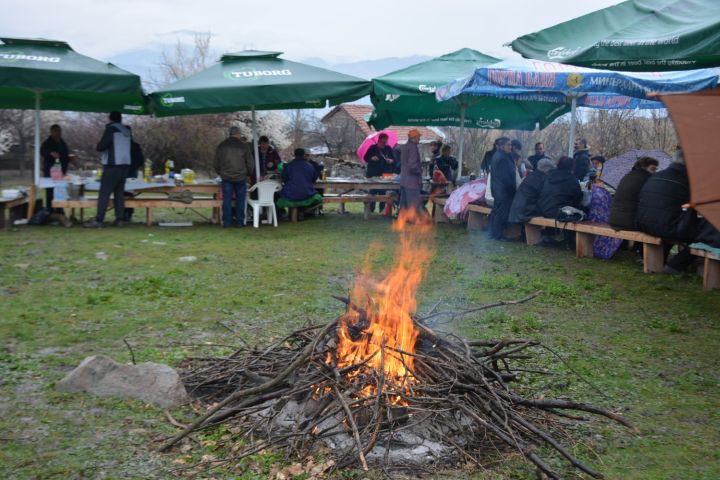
571	143
461	148
255	144
36	168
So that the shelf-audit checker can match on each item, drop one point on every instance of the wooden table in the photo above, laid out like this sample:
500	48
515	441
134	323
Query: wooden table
13	206
341	187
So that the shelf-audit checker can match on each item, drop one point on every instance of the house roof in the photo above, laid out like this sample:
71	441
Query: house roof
360	113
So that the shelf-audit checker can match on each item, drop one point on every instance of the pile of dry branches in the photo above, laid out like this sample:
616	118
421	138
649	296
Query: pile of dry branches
458	408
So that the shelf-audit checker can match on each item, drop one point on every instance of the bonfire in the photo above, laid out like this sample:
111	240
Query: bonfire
376	387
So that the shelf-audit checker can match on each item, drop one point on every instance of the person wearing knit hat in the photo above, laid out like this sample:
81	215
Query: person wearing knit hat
410	172
524	203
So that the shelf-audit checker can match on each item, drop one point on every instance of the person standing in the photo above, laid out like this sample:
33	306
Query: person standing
487	158
234	164
503	174
411	172
54	150
539	155
116	158
581	156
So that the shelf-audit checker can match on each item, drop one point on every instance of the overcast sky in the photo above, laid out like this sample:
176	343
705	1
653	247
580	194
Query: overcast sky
337	31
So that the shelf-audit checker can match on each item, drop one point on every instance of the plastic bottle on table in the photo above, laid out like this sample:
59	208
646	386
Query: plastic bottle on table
147	171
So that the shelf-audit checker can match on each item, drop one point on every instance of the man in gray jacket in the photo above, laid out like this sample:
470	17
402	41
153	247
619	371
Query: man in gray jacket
410	172
114	147
234	163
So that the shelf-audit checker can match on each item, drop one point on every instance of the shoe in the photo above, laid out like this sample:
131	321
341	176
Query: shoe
93	224
118	223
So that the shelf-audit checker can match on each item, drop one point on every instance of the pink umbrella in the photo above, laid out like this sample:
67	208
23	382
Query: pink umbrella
372	140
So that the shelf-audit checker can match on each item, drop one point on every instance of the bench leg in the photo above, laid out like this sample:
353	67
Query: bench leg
294	214
653	258
148	216
439	214
341	208
711	275
366	210
533	234
476	221
584	244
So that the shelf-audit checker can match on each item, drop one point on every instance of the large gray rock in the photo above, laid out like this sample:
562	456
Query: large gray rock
150	382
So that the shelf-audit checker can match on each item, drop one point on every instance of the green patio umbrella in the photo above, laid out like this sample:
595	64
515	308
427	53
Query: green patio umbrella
49	75
636	35
407	97
254	80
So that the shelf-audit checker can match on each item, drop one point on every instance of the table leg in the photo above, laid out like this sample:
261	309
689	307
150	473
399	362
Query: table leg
711	274
148	216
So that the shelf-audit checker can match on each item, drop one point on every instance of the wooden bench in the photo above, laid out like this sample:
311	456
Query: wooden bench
14	208
147	203
711	272
438	214
653	252
478	216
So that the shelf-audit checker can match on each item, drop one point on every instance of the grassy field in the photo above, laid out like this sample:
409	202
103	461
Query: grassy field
647	343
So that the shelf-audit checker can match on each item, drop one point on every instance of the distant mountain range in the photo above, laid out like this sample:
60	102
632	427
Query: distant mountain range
145	62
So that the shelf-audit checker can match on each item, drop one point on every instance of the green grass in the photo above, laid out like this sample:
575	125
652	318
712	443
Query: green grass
648	342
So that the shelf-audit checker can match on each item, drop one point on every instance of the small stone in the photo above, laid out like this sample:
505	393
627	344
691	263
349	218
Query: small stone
189	258
101	256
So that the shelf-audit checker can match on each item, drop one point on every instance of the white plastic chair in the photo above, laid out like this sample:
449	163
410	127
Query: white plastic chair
266	193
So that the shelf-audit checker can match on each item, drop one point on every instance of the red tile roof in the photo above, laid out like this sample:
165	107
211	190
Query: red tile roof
360	112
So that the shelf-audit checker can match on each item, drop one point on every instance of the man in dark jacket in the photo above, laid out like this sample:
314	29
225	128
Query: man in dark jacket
524	205
623	213
581	156
561	189
660	201
503	175
380	159
446	163
115	146
298	178
54	149
539	155
234	164
487	159
660	212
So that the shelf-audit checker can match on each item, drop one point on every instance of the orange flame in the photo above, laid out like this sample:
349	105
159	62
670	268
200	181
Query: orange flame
383	328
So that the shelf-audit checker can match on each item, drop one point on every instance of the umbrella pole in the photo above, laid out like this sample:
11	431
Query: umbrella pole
256	151
571	143
461	148
36	162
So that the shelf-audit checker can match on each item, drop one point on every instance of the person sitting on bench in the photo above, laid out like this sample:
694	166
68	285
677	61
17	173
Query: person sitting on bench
561	189
298	189
623	212
660	212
